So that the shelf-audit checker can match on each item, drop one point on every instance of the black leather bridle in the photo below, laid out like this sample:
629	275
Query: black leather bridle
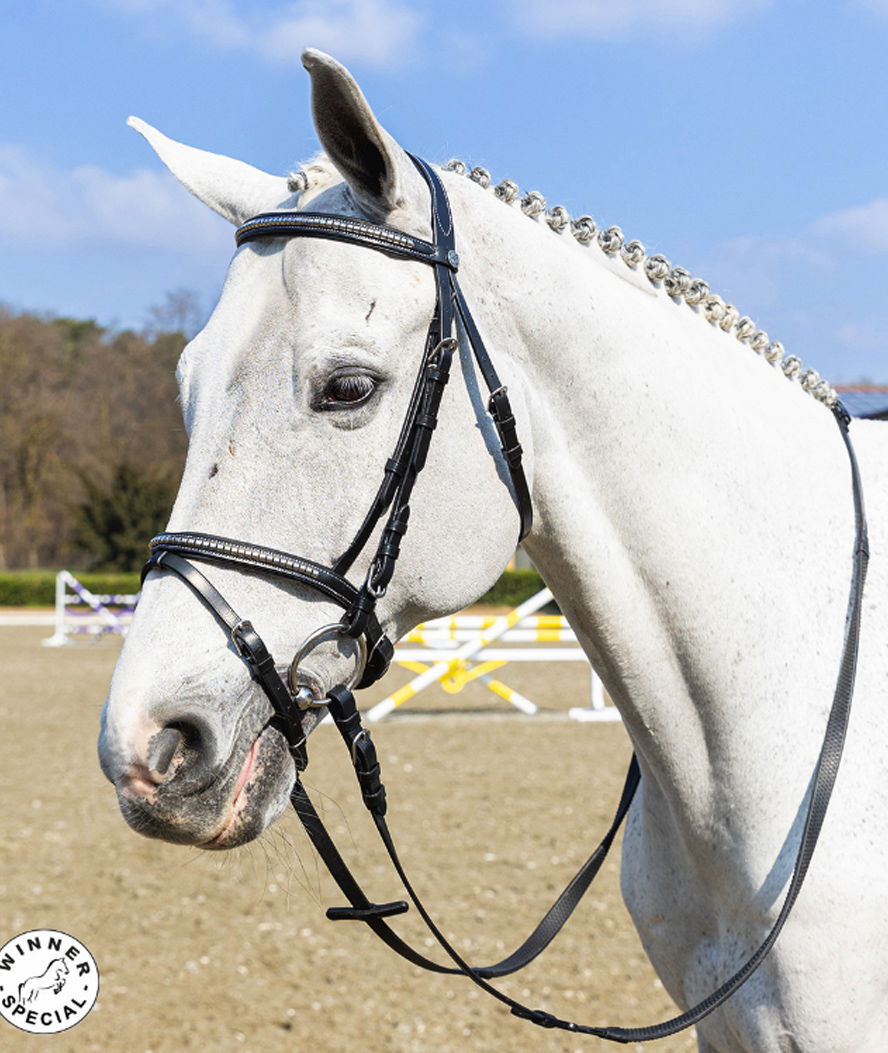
175	552
401	470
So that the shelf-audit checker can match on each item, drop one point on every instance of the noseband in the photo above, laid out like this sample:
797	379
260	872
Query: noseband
175	551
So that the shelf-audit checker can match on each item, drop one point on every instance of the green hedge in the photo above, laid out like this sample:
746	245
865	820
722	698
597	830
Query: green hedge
514	587
36	588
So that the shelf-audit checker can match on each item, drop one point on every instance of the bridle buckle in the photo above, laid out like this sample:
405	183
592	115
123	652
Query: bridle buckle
362	736
244	625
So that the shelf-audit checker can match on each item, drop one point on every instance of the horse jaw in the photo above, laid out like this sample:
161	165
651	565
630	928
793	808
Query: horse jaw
237	191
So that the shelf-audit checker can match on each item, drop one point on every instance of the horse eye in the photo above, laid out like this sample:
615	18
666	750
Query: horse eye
349	389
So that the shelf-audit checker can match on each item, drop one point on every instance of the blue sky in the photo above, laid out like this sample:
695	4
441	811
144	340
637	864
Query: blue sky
744	139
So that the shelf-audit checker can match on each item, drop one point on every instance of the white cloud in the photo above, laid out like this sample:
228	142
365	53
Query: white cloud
817	289
380	33
868	335
880	7
753	268
863	228
89	206
760	263
613	19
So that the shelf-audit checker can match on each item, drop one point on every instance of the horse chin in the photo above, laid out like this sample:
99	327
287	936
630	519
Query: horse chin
233	809
261	794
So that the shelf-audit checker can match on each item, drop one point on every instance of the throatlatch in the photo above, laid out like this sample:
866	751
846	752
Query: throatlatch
173	552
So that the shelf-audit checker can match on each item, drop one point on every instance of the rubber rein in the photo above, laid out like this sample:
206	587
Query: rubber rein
175	552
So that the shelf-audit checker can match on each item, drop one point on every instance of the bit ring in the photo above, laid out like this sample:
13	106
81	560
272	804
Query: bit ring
335	628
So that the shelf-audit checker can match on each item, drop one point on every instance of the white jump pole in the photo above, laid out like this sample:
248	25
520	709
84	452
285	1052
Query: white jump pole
98	606
59	637
597	709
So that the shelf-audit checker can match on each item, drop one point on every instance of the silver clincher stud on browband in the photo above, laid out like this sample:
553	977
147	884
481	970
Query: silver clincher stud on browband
302	697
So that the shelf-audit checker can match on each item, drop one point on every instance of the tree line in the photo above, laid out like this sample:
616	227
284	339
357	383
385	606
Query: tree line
91	437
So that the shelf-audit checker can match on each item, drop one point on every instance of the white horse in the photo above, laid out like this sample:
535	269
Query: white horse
693	516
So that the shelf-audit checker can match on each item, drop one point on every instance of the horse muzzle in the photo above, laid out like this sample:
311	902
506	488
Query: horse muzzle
175	787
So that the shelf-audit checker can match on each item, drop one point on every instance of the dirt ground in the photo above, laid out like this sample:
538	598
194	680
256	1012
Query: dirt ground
492	811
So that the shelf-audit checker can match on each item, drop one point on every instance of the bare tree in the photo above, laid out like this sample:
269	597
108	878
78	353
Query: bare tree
181	312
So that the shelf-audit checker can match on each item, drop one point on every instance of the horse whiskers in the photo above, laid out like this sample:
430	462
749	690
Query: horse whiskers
279	843
322	811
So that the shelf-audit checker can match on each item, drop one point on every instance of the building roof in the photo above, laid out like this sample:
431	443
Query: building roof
865	400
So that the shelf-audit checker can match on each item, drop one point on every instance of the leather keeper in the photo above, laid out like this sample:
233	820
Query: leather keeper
513	455
358	615
395	466
438	375
381	654
535	1016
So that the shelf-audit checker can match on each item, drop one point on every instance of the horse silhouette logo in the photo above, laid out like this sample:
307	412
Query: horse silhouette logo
53	978
49	981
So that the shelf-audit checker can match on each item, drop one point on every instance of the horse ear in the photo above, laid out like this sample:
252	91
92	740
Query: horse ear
380	174
235	190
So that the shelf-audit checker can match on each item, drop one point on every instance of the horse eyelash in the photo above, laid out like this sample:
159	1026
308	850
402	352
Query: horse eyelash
360	384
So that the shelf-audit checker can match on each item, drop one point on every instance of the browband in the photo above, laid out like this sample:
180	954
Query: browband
345	228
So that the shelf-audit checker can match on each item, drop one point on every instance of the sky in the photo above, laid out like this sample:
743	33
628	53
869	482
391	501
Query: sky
746	140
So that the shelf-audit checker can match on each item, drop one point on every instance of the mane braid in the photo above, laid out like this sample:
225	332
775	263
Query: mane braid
678	282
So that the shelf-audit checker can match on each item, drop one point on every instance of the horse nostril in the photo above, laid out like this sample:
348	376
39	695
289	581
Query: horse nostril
163	748
184	752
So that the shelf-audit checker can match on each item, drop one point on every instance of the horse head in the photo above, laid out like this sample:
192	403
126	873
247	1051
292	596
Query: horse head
293	396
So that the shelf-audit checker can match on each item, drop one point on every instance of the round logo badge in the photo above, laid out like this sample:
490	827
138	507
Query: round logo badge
48	981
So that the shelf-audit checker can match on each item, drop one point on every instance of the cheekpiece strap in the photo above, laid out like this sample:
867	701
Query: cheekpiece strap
439	253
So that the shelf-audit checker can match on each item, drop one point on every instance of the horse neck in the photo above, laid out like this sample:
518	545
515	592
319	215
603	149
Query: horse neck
693	514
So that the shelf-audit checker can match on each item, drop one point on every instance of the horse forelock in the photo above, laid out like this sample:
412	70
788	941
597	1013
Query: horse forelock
314	176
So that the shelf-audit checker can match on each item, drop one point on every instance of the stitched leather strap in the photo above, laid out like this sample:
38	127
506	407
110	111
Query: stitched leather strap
500	410
345	714
409	457
341	705
217	549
